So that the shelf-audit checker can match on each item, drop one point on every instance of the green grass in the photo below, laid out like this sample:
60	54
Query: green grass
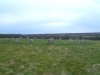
39	58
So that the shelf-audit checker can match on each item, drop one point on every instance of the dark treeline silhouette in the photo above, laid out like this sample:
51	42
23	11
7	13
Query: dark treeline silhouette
91	36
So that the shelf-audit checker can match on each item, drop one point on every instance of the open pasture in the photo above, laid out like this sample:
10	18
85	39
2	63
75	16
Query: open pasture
40	58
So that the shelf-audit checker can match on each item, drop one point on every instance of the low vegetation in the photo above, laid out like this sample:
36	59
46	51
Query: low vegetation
41	58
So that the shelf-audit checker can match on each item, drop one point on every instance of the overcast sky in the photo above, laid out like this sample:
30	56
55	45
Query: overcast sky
49	16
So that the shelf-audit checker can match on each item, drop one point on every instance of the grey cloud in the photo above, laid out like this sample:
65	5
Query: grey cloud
87	20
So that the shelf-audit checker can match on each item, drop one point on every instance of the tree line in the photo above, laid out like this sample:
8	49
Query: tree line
90	36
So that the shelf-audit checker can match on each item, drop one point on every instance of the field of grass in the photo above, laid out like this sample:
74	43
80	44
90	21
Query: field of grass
39	58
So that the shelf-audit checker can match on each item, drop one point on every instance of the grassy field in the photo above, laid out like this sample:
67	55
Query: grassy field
39	58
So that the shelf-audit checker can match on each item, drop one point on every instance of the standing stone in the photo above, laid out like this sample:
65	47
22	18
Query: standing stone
31	40
12	38
51	41
17	40
59	38
7	39
20	37
27	38
71	41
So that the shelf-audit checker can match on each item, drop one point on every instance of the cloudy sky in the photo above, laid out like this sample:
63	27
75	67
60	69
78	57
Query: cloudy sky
49	16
